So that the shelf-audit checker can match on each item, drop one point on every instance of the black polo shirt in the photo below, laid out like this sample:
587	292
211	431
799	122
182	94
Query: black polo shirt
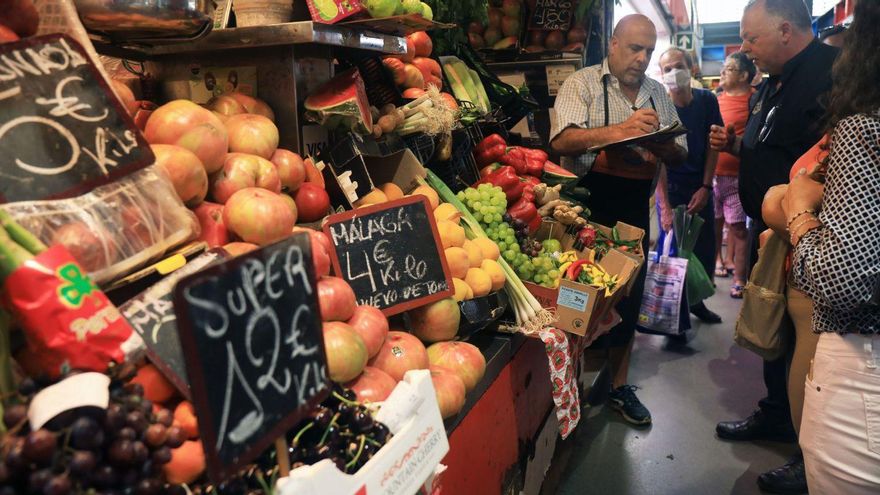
770	146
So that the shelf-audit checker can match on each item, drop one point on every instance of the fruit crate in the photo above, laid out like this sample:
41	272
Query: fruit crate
461	170
403	465
378	82
421	145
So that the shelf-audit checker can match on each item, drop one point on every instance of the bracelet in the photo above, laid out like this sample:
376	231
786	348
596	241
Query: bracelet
795	237
792	219
801	224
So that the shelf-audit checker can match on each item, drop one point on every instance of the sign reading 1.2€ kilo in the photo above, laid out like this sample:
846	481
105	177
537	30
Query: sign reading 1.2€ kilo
62	129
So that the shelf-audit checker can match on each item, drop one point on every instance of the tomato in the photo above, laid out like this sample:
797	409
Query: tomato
312	202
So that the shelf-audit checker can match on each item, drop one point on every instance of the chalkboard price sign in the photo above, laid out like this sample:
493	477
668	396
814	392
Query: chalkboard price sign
251	336
62	130
390	254
552	15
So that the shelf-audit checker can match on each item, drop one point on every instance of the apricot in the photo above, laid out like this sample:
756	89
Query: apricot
457	259
479	281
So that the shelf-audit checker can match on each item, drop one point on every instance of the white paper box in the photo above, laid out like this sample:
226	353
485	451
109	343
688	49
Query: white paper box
403	465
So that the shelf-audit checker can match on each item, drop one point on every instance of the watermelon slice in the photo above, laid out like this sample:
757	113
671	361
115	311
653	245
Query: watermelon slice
341	104
554	174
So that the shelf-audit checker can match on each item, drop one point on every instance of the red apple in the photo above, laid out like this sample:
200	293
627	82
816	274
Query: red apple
258	216
87	247
241	170
197	129
185	171
577	34
396	67
374	385
226	106
476	41
510	26
312	201
139	228
320	250
345	350
428	66
238	248
492	35
290	203
437	321
450	101
422	43
372	325
254	105
336	299
554	40
254	134
511	7
210	217
449	390
400	353
476	28
495	16
536	37
464	359
291	169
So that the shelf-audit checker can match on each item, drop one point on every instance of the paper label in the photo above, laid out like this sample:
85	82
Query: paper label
84	389
572	298
556	75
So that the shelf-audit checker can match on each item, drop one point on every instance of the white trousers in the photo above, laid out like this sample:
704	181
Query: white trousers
840	429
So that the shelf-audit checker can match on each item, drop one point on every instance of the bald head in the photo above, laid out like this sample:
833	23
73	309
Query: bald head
632	44
774	31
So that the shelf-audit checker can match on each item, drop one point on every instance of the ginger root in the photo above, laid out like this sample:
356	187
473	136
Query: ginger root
547	209
569	215
545	194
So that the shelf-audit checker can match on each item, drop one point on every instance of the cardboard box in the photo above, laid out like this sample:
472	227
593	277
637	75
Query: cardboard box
333	11
402	465
402	168
625	232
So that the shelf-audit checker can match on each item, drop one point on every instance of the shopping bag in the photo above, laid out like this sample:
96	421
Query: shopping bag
687	229
661	308
763	325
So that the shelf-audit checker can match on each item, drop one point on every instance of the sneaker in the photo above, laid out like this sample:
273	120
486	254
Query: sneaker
705	314
624	399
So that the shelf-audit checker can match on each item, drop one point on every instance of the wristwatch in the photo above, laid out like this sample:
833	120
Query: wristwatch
707	186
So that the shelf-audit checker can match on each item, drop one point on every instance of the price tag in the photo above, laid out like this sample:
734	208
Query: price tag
552	15
556	75
390	254
251	337
63	132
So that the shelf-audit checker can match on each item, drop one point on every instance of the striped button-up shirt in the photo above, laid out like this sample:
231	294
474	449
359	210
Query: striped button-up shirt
581	104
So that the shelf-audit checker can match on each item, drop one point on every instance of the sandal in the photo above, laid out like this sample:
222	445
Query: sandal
736	291
722	272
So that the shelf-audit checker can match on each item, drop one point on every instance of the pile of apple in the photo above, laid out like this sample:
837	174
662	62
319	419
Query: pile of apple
571	41
505	27
228	152
415	70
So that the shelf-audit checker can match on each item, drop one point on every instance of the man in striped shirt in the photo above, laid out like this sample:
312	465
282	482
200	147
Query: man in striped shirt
603	104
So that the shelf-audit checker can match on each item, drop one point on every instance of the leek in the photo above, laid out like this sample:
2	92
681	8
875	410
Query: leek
530	316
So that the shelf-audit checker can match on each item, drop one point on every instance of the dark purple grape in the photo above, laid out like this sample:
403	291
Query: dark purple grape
333	438
82	462
114	420
58	485
148	486
165	417
135	389
349	395
235	486
147	407
137	420
380	432
5	475
161	455
140	451
340	462
175	490
15	459
323	417
176	437
121	453
369	449
129	477
38	479
86	434
14	414
39	446
126	433
104	476
156	435
345	411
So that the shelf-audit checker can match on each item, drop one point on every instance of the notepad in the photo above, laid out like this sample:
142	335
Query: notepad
665	133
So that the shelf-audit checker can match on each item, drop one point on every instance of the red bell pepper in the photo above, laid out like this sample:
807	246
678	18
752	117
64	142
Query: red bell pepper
525	211
210	217
575	269
489	141
516	159
587	236
507	180
489	155
488	169
536	154
530	179
534	166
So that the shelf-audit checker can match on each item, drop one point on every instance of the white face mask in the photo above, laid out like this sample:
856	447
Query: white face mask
677	78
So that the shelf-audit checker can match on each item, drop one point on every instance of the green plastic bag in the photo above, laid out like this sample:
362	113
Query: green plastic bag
687	229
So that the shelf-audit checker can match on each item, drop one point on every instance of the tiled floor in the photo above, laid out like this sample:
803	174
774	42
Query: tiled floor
688	389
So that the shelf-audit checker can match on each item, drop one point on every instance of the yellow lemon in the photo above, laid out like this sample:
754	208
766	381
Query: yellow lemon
495	272
429	193
479	281
451	235
446	211
463	291
391	191
487	247
457	259
475	255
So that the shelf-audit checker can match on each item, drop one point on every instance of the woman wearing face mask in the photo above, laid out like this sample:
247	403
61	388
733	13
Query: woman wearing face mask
691	183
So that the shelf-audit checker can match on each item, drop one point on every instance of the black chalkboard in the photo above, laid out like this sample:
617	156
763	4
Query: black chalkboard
552	15
151	314
62	130
251	336
390	254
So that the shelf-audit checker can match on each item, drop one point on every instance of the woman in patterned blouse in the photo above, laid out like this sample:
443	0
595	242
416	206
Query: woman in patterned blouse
837	263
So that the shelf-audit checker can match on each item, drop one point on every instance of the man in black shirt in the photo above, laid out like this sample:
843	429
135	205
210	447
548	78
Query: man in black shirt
785	121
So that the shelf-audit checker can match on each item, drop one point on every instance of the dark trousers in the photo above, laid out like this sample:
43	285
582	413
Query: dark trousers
704	249
775	405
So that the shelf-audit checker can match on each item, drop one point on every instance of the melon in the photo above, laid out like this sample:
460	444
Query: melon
554	174
341	103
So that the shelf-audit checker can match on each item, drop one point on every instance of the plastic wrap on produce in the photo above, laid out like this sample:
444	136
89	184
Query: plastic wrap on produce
115	228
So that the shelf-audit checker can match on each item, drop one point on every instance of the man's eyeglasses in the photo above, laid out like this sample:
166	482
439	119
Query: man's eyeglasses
768	124
729	69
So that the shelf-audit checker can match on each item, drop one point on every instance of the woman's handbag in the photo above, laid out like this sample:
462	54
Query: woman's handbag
763	325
